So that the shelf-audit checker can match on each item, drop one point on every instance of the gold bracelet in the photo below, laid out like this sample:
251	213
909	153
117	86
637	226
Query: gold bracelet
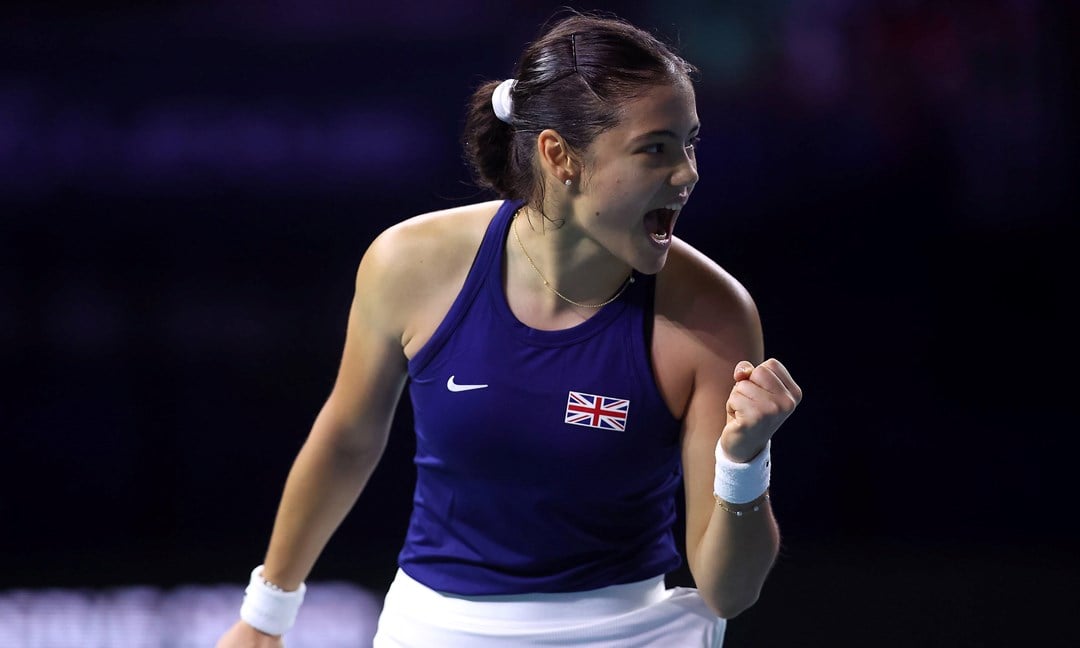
752	506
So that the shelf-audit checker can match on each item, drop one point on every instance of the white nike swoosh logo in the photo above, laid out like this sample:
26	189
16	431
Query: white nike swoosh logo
454	387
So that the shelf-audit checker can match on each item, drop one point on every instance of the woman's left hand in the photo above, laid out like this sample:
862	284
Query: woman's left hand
761	399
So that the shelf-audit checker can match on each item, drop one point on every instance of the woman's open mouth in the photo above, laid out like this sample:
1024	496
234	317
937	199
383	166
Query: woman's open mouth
659	223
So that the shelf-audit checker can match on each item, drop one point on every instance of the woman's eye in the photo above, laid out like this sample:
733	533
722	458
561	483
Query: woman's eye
660	148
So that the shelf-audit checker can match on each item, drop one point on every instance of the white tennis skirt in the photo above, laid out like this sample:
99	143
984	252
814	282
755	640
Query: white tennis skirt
637	615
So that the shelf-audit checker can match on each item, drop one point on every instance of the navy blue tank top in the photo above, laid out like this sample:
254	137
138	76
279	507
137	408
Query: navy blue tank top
546	461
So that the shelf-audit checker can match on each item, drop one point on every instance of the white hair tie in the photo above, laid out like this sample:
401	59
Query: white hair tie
501	101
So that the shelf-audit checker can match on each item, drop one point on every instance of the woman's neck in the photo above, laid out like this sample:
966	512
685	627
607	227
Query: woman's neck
556	263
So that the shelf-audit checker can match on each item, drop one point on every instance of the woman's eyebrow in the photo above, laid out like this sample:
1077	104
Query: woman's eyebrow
665	133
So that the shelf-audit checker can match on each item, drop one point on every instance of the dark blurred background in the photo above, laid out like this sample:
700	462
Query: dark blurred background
186	189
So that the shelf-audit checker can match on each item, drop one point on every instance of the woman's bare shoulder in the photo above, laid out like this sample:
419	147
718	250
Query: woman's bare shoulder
430	245
414	269
691	277
699	297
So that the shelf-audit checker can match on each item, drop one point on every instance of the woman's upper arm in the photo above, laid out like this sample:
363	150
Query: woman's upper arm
720	326
373	368
406	282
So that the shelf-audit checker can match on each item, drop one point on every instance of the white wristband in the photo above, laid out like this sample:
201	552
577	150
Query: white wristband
269	610
739	483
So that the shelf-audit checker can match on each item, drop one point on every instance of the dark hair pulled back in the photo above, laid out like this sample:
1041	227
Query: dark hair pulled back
574	79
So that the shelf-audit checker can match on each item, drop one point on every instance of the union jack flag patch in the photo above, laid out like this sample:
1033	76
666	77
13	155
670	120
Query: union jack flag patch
594	411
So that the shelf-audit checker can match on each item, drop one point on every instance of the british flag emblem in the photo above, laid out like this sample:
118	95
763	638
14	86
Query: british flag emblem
595	411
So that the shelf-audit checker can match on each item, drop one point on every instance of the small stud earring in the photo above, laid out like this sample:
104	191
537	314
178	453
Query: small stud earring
568	182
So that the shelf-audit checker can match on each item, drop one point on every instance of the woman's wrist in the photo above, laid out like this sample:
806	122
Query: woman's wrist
267	607
742	482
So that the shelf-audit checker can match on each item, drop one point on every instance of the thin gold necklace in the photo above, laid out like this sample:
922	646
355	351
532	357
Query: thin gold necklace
547	284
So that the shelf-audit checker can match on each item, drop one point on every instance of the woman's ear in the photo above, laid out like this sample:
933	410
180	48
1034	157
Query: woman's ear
555	156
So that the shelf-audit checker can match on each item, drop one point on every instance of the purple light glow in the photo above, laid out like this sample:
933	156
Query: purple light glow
204	145
335	615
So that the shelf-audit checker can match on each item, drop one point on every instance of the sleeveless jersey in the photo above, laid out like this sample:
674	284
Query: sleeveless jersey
546	461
